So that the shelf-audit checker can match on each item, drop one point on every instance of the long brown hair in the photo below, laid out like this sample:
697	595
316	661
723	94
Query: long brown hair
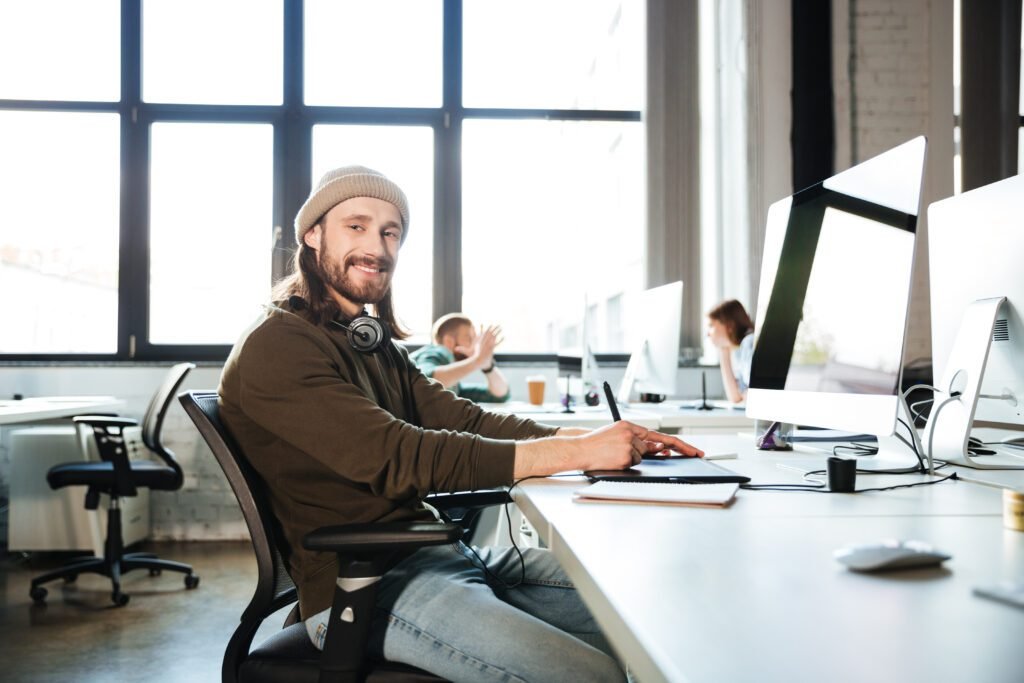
732	314
305	282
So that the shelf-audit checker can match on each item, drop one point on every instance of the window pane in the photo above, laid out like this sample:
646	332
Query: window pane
385	53
554	54
60	50
538	238
59	232
405	154
211	233
201	52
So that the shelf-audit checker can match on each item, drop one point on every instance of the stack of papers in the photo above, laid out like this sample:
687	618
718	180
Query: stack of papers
679	494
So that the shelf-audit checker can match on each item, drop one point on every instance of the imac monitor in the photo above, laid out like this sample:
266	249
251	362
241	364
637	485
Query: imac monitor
653	328
975	249
833	300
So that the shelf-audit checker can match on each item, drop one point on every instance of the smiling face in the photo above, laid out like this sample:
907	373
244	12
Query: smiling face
357	245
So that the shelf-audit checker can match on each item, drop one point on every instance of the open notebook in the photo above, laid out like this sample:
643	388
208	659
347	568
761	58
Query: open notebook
680	494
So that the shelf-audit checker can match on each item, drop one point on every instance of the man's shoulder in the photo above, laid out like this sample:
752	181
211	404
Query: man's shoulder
279	330
432	353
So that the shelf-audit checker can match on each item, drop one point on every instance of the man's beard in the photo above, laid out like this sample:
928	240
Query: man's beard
335	276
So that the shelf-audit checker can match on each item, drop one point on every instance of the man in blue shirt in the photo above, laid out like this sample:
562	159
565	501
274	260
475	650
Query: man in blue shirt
459	350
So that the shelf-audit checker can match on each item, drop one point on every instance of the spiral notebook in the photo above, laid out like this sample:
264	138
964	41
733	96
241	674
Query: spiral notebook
652	492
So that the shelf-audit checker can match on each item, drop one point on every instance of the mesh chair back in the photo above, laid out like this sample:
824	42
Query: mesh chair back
153	420
274	588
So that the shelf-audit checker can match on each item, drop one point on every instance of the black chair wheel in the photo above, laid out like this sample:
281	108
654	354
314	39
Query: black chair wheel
70	578
120	599
38	594
155	572
191	581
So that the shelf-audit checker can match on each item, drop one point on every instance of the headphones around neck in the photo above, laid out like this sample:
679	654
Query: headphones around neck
366	334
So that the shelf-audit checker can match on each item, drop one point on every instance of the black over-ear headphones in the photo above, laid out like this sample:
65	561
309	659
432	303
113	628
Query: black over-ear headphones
365	333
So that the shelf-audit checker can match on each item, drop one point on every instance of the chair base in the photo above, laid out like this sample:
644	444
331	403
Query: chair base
112	569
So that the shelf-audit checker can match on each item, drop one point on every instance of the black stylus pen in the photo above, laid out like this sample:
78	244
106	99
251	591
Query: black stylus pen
611	402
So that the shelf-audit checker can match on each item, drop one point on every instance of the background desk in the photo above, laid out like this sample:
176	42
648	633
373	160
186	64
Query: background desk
751	592
668	417
41	519
53	407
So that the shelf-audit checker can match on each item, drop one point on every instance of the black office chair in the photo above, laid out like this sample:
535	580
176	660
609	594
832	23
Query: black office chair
364	550
117	475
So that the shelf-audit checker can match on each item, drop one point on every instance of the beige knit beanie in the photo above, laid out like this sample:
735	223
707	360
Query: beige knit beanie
345	183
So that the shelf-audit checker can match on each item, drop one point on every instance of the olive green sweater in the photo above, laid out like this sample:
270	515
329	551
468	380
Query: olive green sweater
343	437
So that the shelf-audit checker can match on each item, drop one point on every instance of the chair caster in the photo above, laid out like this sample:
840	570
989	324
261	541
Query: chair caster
191	581
155	572
120	599
38	595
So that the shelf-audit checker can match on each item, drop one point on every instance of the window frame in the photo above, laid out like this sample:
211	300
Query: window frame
292	123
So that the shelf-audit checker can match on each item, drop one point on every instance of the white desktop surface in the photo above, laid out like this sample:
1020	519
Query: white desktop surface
582	416
663	416
684	415
51	407
752	592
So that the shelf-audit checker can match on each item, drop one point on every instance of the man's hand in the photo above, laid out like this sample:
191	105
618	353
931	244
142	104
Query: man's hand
618	441
482	351
612	447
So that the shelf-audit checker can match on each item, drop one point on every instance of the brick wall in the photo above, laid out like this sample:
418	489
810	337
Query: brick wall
895	65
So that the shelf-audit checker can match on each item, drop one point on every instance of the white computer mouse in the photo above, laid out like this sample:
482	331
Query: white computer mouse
889	554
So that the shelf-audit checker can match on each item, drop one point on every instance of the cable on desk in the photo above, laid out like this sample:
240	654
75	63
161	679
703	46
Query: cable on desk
820	489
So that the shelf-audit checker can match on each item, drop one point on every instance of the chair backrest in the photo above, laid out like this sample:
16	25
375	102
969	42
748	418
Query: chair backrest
274	587
153	420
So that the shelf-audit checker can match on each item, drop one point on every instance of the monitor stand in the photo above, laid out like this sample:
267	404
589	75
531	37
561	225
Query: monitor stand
949	424
893	455
704	405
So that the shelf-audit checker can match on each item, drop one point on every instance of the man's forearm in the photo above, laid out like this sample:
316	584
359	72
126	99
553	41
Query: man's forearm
451	374
541	457
496	383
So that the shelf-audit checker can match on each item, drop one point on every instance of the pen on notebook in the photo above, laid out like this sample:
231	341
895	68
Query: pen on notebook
611	402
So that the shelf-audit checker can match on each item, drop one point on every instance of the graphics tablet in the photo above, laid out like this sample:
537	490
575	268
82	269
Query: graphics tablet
674	471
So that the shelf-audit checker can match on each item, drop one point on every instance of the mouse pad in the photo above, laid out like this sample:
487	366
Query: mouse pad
676	470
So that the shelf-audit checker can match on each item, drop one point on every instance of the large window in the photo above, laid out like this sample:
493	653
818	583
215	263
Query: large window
155	154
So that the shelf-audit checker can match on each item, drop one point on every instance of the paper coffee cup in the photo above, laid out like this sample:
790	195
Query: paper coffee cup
535	387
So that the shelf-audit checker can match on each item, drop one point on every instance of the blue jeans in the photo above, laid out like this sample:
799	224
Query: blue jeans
439	611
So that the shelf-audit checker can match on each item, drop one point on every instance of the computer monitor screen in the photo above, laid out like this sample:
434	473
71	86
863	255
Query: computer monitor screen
975	250
653	328
834	295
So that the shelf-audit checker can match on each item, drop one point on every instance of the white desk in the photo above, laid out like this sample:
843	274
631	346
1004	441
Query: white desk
41	519
683	417
752	592
582	416
669	416
53	407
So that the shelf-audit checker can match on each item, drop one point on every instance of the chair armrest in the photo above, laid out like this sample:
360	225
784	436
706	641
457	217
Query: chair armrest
105	421
469	499
380	538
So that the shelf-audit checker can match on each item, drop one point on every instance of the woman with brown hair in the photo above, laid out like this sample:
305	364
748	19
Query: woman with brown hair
731	330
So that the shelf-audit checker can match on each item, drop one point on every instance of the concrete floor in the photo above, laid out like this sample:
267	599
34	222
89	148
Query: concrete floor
165	633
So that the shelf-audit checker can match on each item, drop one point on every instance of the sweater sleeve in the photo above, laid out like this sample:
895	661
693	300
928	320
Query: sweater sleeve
294	387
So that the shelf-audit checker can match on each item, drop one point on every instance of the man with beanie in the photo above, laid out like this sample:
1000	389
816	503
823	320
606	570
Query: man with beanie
344	429
457	351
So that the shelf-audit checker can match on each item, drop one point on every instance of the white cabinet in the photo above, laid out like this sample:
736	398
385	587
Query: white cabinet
42	519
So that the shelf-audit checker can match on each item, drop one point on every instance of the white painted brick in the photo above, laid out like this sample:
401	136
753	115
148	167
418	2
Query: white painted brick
890	99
